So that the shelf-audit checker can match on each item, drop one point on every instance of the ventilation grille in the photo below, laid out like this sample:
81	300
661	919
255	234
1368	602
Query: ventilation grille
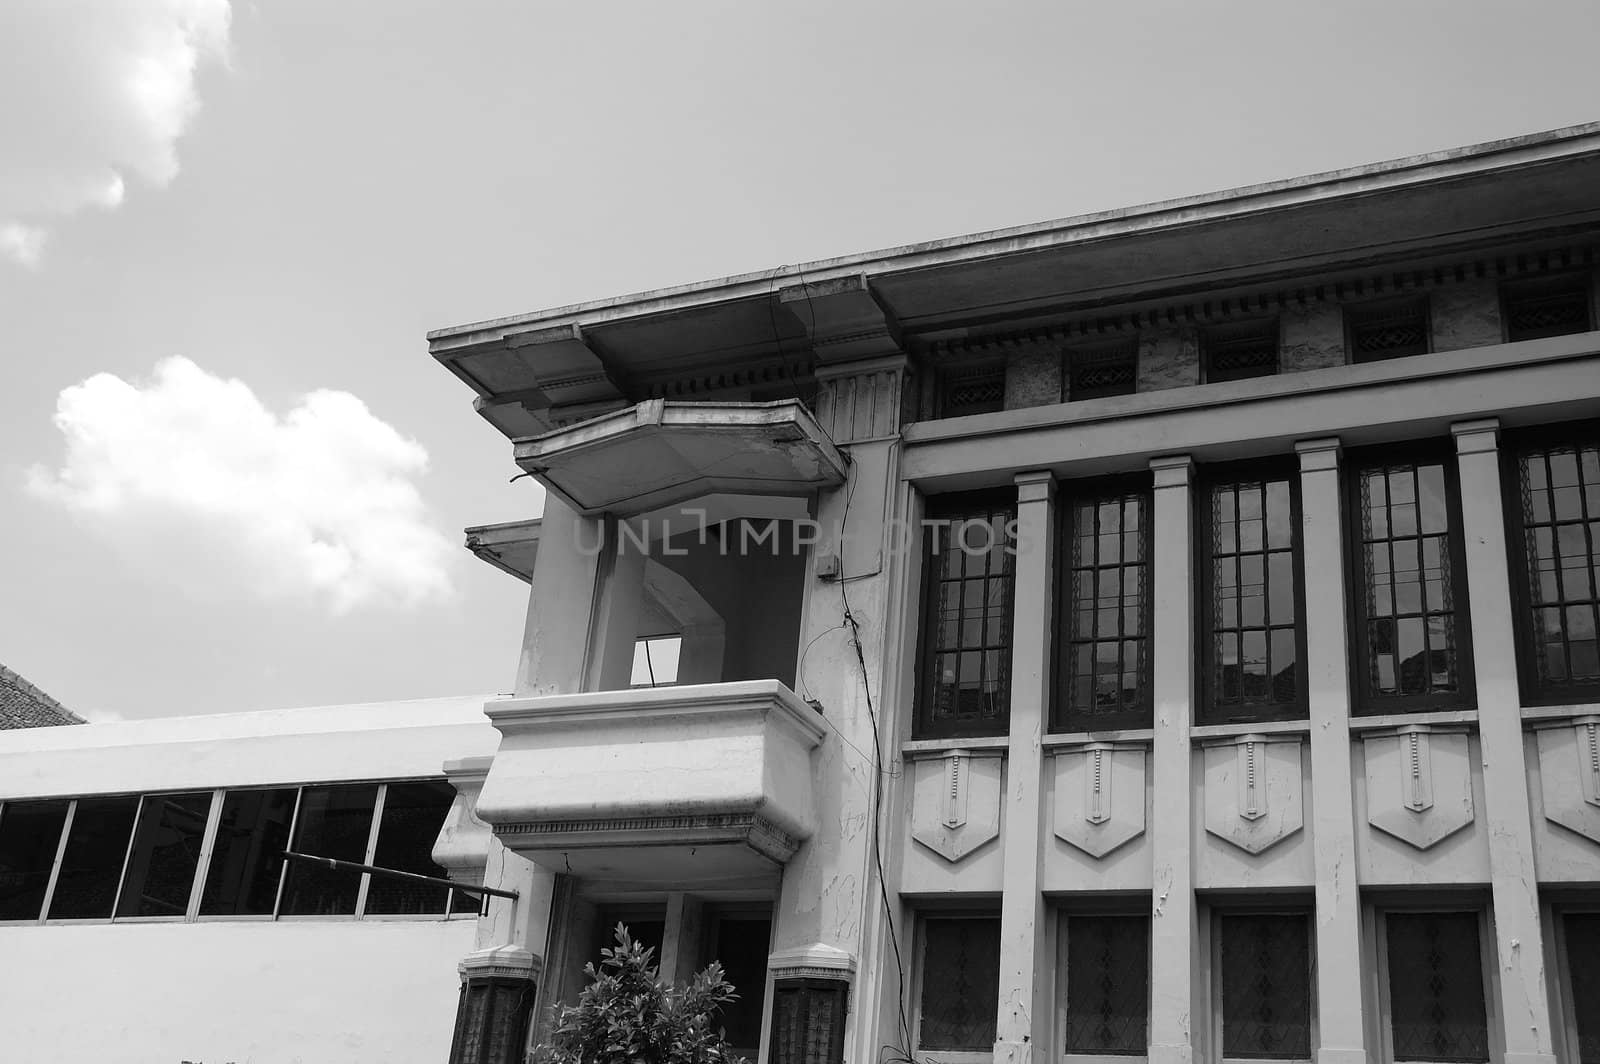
1096	372
1241	350
972	390
1393	330
1555	306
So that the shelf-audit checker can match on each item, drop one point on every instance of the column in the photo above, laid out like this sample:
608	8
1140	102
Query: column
1174	942
561	601
1023	1021
1513	884
1338	944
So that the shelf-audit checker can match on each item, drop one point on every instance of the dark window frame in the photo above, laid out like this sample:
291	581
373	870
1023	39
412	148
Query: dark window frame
1258	469
1119	353
1089	909
1513	445
1063	717
1513	288
942	507
1379	306
973	913
1289	905
1440	906
1211	339
1363	702
1571	1023
953	374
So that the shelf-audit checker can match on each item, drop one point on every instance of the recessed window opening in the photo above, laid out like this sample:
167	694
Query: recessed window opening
655	661
1557	305
1100	370
1390	329
1239	350
959	972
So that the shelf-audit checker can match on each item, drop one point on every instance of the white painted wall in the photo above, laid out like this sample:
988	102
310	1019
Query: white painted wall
311	992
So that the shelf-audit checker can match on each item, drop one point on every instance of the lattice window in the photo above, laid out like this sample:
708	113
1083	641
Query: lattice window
1582	934
1548	306
1108	984
1411	632
1387	330
1106	652
1240	350
808	1021
492	1021
967	390
1436	1001
1266	986
1101	370
960	983
1560	513
1255	620
966	686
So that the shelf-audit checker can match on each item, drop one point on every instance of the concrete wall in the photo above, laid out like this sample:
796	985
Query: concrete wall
367	992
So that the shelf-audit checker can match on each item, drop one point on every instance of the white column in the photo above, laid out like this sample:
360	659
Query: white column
1173	927
1338	945
561	600
1513	883
1024	1018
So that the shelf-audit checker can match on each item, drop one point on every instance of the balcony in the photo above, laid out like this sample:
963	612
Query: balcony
659	453
673	786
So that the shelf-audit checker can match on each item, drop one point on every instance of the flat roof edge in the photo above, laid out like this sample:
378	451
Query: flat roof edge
1486	157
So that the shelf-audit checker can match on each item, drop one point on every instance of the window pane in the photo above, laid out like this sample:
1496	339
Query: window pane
30	833
960	983
1103	679
96	844
1436	987
1266	987
1108	984
165	854
248	853
413	813
334	822
968	618
1583	965
1255	609
1559	487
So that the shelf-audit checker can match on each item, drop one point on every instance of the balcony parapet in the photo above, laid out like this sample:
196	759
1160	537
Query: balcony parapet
684	784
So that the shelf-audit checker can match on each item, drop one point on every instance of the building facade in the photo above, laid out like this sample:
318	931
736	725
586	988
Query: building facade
1167	634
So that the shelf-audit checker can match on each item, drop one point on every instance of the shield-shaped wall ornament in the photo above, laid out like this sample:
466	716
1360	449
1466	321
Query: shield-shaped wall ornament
1419	783
955	801
1569	774
1099	795
1254	790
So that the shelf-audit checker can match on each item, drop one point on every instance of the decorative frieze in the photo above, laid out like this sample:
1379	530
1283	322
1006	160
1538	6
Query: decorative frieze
1100	795
1419	783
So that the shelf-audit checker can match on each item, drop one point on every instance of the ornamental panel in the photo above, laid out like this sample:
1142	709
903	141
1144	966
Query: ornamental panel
1419	784
955	802
1569	775
1099	796
1254	790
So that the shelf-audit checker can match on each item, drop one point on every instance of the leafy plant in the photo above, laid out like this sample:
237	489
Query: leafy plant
627	1015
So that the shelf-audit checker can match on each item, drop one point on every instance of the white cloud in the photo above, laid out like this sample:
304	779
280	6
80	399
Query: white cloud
317	504
96	89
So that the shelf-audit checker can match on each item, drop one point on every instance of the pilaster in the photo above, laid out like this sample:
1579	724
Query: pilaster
1023	1020
1340	1025
1174	930
561	602
1524	999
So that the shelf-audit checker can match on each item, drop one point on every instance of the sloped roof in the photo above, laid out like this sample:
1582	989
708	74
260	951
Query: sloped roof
23	705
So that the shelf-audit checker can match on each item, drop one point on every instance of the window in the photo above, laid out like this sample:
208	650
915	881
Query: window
1391	329
1239	350
741	942
655	661
91	864
1555	517
1579	936
1435	987
1105	653
1546	306
247	856
1107	984
165	854
970	389
965	684
220	854
1413	650
960	974
1098	370
30	835
1253	632
1264	976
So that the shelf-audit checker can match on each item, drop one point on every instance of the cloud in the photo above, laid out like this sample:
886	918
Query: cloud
319	504
109	87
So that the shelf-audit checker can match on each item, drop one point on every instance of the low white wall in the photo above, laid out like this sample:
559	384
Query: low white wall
349	992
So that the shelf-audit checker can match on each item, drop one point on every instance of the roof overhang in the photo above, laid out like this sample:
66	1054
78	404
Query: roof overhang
659	453
511	547
604	354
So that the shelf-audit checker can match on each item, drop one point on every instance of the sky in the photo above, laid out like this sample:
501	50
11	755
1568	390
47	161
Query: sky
231	476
